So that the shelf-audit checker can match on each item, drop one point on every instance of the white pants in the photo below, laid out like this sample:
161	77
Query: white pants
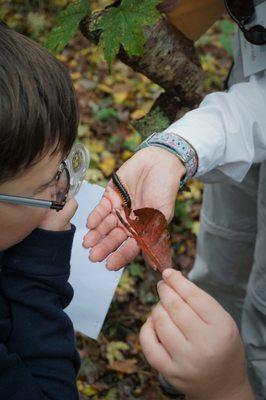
231	261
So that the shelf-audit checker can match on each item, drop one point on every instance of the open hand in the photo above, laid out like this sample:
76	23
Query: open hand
152	178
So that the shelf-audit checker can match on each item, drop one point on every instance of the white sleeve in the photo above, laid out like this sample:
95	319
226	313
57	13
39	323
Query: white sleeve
228	130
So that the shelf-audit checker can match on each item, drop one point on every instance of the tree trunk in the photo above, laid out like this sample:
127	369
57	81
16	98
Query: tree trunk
169	59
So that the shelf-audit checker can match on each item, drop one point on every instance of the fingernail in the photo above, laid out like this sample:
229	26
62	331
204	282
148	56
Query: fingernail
159	283
108	267
167	272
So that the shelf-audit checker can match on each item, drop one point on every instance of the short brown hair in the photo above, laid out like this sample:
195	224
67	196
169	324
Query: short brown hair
38	105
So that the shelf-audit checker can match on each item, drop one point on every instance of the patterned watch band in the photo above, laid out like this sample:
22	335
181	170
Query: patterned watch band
178	146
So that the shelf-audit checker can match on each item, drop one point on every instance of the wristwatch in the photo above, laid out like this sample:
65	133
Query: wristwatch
178	146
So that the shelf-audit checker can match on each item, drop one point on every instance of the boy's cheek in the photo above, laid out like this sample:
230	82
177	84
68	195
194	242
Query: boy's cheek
17	222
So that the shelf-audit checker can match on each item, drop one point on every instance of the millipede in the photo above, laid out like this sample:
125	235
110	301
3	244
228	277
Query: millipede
121	189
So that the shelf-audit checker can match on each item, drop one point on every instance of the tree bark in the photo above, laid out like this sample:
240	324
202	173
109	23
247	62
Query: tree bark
169	59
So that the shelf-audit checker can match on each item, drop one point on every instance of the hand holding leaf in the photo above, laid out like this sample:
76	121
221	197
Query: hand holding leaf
152	177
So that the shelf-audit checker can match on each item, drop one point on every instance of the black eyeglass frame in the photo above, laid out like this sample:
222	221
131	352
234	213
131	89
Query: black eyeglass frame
256	34
41	203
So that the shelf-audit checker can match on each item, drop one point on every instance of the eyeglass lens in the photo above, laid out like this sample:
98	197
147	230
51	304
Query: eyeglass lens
62	186
256	35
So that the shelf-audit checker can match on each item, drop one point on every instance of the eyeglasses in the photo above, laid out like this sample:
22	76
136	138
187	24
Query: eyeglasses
242	12
68	180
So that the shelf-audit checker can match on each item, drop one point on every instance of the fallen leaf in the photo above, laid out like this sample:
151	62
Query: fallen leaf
114	351
149	229
108	165
124	366
137	114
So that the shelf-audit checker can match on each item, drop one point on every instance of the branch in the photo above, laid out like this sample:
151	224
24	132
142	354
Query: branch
169	59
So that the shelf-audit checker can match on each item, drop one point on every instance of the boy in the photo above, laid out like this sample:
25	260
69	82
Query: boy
38	125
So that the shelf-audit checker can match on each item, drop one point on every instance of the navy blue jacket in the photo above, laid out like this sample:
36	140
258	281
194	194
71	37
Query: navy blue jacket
38	358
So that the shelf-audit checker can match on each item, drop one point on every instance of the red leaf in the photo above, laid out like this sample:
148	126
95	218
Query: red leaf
149	228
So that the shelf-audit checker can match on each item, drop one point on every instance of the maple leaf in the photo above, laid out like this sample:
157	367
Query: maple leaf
123	26
67	25
149	229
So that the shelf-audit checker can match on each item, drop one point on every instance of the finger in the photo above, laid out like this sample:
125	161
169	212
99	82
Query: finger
182	315
109	201
103	229
204	305
107	245
168	333
123	255
91	238
68	211
99	213
154	351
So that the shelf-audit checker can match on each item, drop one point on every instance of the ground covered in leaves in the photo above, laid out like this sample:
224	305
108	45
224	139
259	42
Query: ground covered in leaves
114	367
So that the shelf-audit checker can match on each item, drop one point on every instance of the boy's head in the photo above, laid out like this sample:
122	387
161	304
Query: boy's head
38	125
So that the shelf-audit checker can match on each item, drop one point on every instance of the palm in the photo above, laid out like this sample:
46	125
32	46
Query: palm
151	177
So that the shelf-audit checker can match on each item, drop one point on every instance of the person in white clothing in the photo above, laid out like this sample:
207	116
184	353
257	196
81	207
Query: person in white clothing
223	143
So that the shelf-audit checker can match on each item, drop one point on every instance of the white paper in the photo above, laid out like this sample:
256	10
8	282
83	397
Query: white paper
93	284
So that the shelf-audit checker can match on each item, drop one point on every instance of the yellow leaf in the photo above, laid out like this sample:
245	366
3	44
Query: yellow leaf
108	165
137	114
147	105
73	63
195	228
85	389
94	175
181	249
126	286
84	52
89	390
75	75
126	155
104	88
114	351
120	97
61	57
95	146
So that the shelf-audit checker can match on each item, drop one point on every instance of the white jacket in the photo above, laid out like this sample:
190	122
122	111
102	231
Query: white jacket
228	130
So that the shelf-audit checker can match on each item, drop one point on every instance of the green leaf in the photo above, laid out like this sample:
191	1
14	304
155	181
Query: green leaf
114	351
112	394
227	28
132	142
123	26
68	22
154	121
106	114
181	210
136	271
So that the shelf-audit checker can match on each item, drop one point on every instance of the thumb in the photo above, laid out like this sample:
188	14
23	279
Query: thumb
68	211
60	220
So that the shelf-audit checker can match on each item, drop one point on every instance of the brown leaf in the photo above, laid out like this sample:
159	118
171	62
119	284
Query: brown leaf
149	229
124	366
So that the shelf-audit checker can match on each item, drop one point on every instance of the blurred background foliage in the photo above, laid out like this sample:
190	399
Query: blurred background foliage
114	367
